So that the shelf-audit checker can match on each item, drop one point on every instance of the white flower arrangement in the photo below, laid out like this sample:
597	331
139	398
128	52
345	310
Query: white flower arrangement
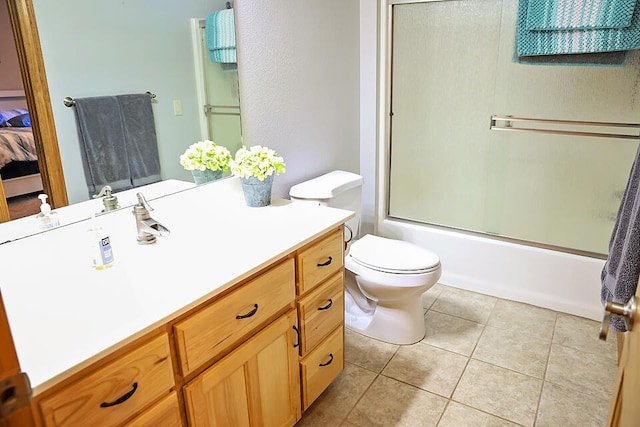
205	155
257	161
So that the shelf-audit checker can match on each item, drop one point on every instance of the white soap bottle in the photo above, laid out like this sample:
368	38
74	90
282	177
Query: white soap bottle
47	218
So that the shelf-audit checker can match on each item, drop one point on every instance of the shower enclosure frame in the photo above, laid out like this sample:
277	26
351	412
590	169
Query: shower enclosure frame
533	273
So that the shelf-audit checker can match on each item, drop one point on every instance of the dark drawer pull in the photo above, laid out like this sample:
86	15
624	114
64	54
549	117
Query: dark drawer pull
329	362
121	399
326	307
297	344
324	264
249	314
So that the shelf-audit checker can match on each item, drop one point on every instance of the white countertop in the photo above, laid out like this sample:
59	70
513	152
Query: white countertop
64	315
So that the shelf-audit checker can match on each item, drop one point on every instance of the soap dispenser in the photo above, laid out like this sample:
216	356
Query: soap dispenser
47	218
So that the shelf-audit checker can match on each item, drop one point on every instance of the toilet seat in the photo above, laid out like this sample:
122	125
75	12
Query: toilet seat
392	256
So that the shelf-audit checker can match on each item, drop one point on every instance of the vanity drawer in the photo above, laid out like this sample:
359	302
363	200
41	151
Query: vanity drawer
220	325
320	312
166	413
320	367
115	392
319	261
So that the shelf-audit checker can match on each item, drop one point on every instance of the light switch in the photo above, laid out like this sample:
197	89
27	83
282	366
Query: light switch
177	107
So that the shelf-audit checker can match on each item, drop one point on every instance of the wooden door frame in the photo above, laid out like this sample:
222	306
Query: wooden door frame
9	366
36	89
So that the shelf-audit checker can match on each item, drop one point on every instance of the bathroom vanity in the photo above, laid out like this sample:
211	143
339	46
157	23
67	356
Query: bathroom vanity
235	318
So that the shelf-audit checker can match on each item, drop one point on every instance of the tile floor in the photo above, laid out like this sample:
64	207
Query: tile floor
484	361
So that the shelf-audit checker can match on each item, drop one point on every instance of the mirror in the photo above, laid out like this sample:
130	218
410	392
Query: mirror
92	48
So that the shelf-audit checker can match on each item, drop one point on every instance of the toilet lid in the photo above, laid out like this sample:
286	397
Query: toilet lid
393	256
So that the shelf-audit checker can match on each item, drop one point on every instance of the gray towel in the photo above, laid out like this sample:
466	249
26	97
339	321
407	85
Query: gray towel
103	150
621	270
140	136
118	141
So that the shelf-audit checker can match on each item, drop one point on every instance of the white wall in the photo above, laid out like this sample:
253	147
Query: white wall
368	112
95	48
298	65
10	78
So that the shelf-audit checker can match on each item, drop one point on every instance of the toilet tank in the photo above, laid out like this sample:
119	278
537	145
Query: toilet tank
337	189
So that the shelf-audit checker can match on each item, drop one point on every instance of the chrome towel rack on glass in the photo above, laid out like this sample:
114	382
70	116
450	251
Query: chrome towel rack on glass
70	102
506	123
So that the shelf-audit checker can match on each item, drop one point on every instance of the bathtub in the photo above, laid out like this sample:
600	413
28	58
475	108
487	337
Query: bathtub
556	280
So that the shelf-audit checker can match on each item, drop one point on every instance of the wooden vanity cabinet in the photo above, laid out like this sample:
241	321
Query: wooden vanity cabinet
115	392
220	325
255	385
256	355
166	413
318	261
320	305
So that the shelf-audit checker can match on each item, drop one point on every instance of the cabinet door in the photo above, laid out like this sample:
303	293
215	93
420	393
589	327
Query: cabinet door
256	384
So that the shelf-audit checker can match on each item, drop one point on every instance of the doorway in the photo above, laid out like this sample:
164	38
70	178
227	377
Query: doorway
217	92
36	90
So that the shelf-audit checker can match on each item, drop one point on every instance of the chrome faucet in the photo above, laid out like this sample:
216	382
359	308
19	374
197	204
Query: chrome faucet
110	201
148	228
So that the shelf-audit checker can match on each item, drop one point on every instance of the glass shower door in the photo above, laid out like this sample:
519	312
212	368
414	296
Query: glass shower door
453	68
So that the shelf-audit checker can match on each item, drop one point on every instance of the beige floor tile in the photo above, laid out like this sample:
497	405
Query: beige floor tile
534	321
451	333
590	373
367	352
561	406
427	367
513	350
333	405
391	403
429	297
499	391
457	415
582	334
468	305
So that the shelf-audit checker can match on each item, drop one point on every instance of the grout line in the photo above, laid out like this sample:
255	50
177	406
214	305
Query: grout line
469	357
346	417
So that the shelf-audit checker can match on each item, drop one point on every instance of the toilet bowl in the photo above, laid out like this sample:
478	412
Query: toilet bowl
384	284
384	278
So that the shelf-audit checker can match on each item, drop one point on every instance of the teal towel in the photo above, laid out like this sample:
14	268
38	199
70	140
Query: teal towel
536	42
220	31
579	14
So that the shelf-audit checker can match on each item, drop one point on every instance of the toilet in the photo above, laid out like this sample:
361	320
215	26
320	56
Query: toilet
385	278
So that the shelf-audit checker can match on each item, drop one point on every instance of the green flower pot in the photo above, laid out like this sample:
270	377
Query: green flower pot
257	193
207	175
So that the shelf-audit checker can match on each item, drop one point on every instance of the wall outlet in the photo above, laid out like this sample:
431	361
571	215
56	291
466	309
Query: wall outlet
177	107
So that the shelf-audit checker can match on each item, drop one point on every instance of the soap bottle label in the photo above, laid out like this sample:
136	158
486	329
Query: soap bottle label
105	251
101	251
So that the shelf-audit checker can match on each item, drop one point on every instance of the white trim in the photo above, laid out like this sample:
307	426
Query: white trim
12	94
384	95
197	28
22	185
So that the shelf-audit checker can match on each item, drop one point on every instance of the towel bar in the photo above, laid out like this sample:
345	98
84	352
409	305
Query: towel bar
508	126
210	110
69	102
